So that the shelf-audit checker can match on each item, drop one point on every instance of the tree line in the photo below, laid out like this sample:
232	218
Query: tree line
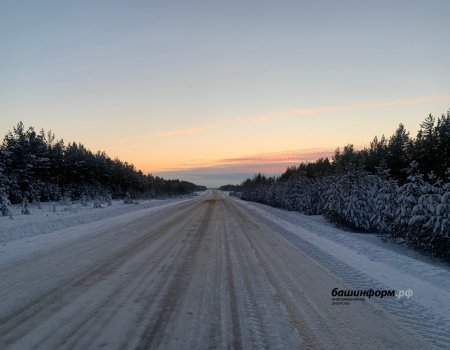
35	166
399	187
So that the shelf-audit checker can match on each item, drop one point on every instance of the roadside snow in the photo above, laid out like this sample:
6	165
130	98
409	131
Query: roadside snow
364	261
55	216
75	225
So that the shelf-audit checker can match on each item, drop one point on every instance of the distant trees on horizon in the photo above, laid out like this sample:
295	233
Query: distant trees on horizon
35	166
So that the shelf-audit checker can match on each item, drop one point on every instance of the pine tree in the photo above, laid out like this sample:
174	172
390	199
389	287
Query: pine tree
443	150
127	199
425	145
108	199
25	209
409	216
376	154
399	150
5	204
386	204
441	231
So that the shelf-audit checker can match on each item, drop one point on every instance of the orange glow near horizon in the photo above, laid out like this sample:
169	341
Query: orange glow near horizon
288	137
272	161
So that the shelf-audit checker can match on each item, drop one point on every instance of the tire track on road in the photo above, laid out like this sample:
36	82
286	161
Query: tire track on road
309	340
154	332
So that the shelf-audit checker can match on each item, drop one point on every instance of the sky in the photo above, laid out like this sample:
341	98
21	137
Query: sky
215	91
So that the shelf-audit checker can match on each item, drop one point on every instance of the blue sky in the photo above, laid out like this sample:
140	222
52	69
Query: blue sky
176	87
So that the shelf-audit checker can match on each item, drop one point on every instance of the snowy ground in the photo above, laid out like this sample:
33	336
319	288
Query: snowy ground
208	273
56	216
134	276
364	261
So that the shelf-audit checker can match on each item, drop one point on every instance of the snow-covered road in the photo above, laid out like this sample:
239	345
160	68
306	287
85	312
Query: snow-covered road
211	273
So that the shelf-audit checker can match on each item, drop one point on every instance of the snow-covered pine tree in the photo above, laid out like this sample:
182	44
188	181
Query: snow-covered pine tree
334	197
310	198
66	200
84	200
97	200
440	242
289	195
282	191
108	199
427	206
360	207
25	209
320	190
385	204
296	193
351	200
127	199
268	195
5	204
409	217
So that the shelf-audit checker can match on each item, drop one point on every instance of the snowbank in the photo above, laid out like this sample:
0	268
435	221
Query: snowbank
56	216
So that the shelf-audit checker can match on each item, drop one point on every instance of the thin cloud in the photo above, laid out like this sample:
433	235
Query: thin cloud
286	156
301	112
335	109
275	159
307	112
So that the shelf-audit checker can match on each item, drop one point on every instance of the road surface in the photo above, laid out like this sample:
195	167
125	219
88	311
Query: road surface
202	274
